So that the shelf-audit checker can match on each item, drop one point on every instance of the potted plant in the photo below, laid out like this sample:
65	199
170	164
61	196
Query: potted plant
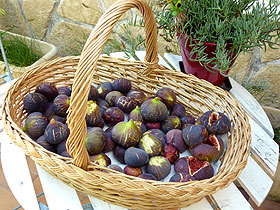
212	33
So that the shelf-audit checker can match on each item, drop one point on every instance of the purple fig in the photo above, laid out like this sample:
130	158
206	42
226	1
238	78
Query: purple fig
100	159
42	140
168	96
175	137
61	104
64	90
93	93
138	96
171	122
103	89
194	135
135	114
154	110
111	97
121	84
93	115
56	132
113	115
35	125
109	145
47	89
159	167
35	102
95	140
135	157
126	104
178	110
150	144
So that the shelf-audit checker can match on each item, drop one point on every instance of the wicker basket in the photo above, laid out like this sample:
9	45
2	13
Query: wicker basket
117	188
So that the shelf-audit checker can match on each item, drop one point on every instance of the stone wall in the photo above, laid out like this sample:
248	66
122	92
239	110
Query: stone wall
68	23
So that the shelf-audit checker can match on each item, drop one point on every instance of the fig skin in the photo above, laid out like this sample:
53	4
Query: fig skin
132	171
35	102
168	97
215	122
116	168
126	134
171	122
141	126
138	96
61	149
111	97
159	167
158	134
58	118
61	104
178	110
64	90
194	135
93	115
93	94
153	125
103	105
187	119
154	110
170	152
35	125
49	111
150	144
135	157
175	137
135	115
121	84
95	140
181	177
113	115
147	176
103	89
43	142
126	104
56	132
100	159
109	145
118	152
47	89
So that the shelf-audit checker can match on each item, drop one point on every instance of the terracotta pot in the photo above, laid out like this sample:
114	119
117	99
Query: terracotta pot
195	68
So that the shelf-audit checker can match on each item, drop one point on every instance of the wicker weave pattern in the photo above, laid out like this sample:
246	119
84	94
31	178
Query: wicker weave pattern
196	95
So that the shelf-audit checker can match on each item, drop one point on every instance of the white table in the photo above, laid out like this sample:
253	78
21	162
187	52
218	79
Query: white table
255	178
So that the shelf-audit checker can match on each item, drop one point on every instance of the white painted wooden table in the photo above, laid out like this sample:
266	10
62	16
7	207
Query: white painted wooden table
255	178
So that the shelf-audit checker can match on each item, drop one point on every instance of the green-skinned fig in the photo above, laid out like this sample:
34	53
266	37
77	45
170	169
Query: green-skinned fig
171	122
138	96
135	114
159	167
56	132
100	159
121	84
111	97
126	104
168	96
64	90
135	157
178	110
158	134
141	126
126	134
47	89
35	125
42	140
93	115
113	115
154	110
150	144
35	102
103	89
95	140
93	93
61	104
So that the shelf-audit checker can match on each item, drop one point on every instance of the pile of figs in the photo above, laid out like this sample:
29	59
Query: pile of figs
152	137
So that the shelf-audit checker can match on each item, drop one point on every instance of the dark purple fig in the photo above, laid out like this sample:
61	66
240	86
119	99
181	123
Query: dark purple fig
154	110
118	152
35	125
181	177
175	137
47	89
35	102
58	118
187	119
64	90
141	126
93	115
198	169
159	167
103	89
100	159
194	135
113	115
153	125
138	96
170	152
93	93
121	84
61	149
49	111
171	122
125	103
61	104
158	134
135	157
178	110
147	176
116	168
126	134
56	132
111	97
209	151
109	145
95	140
168	97
65	154
103	105
132	171
42	140
150	144
215	122
135	114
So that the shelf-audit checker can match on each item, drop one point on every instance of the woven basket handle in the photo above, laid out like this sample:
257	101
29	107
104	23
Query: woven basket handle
82	80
